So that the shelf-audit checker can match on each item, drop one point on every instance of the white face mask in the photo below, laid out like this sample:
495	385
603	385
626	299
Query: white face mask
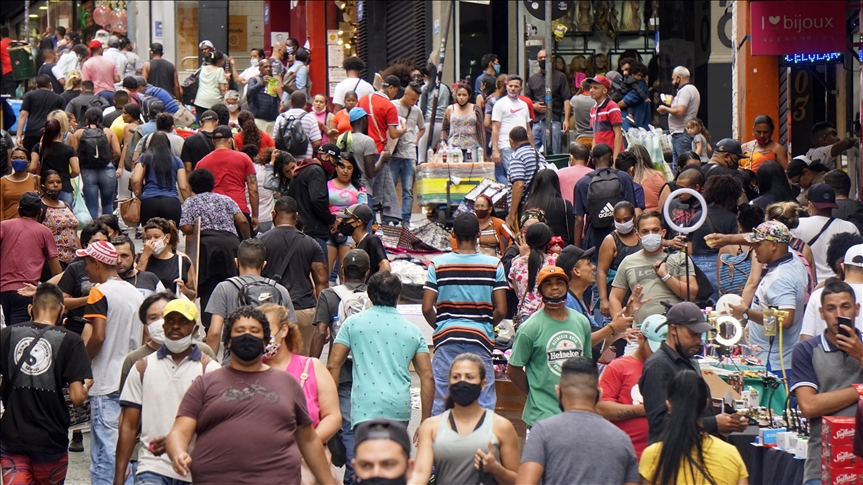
624	227
651	242
177	346
254	62
233	107
159	246
157	331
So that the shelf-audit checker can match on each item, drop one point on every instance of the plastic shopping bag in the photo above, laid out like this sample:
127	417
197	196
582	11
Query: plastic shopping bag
79	207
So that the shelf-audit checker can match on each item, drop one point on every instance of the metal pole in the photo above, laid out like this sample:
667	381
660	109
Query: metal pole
441	57
549	71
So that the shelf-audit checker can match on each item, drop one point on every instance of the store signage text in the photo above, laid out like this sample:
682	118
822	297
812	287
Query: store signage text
797	27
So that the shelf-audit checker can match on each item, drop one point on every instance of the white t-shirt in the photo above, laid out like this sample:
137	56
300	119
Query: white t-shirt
809	227
689	96
265	195
345	86
813	324
510	113
310	124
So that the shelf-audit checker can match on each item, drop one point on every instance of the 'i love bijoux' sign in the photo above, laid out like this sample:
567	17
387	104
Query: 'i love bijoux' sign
795	27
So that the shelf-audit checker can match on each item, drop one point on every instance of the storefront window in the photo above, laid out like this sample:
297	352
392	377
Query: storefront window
187	35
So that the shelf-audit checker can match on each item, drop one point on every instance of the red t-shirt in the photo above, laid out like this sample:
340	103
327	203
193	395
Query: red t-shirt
529	106
230	169
266	141
619	383
4	55
385	114
603	118
25	246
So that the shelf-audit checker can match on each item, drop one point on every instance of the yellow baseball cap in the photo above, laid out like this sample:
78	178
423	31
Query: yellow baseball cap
183	307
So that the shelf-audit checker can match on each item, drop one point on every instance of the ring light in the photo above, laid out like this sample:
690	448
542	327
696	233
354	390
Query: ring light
698	223
738	330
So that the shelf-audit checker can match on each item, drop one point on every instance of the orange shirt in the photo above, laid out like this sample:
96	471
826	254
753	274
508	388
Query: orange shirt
266	141
11	192
343	121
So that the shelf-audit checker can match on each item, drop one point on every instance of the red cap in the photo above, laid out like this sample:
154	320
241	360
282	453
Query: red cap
101	251
601	80
95	44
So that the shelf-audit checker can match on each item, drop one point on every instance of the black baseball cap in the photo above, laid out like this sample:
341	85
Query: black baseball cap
392	80
222	132
730	145
209	115
358	259
360	211
382	429
689	315
30	200
822	196
466	225
570	256
331	148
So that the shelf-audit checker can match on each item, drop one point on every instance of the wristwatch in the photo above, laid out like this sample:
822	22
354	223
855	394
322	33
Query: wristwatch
746	315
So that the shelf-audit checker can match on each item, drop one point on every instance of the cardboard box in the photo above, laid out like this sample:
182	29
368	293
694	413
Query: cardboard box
768	435
838	476
839	456
837	430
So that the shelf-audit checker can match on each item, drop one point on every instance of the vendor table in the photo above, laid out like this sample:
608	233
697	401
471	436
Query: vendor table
772	466
431	188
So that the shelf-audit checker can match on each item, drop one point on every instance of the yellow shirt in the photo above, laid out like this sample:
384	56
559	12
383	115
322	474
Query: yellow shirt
117	127
722	461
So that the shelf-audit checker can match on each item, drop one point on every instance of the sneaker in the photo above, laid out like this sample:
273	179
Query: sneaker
77	443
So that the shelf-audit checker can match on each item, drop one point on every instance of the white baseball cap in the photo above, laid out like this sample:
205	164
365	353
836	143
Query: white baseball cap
854	256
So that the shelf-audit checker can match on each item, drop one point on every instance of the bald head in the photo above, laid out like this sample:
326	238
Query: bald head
691	177
681	71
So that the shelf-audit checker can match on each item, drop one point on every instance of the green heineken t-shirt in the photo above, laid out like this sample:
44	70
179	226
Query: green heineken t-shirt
542	344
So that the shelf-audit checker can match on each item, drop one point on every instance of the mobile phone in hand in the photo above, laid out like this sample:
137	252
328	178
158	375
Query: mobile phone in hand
845	321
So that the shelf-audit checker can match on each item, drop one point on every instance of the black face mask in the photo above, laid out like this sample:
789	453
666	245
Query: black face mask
247	347
464	393
542	64
383	481
676	85
346	229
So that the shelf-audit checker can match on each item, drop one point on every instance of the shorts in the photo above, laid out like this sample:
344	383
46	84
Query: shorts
26	468
337	240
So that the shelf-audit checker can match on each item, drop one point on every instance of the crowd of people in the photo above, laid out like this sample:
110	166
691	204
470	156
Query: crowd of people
278	198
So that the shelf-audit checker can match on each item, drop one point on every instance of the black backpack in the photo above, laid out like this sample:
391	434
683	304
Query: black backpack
604	191
256	292
190	89
293	138
94	151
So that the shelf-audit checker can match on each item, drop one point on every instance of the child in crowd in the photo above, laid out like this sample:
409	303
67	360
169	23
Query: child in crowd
634	80
700	139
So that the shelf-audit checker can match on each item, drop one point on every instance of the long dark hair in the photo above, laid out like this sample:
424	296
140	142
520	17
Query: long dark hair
158	157
357	174
687	393
49	137
93	116
282	158
545	192
250	135
538	236
772	178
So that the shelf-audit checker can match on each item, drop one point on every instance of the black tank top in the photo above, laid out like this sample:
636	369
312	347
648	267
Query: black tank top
622	250
161	75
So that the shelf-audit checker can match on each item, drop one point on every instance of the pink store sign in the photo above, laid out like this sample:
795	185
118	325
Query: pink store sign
794	27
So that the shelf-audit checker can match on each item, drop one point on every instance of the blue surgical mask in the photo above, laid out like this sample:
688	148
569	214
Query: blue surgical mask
19	165
496	68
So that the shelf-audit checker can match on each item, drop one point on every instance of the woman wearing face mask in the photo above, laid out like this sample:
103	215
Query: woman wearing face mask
524	270
622	242
463	122
456	442
55	155
13	186
763	148
341	121
255	396
344	191
324	118
495	236
159	257
322	397
250	134
232	101
59	218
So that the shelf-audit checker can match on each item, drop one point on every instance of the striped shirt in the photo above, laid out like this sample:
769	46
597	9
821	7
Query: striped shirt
464	284
603	118
523	166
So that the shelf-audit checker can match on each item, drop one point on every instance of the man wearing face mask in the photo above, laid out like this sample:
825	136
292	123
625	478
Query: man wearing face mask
803	173
251	396
508	113
560	107
543	343
152	393
725	160
147	283
309	189
662	277
230	294
264	94
354	222
490	65
562	448
382	453
37	359
255	57
684	107
686	324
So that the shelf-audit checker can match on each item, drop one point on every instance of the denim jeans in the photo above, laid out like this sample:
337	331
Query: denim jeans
323	244
814	481
99	185
104	424
707	263
402	169
680	143
501	172
150	478
347	432
443	357
67	197
539	135
108	95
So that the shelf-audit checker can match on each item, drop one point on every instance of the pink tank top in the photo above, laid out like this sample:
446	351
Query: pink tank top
304	365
